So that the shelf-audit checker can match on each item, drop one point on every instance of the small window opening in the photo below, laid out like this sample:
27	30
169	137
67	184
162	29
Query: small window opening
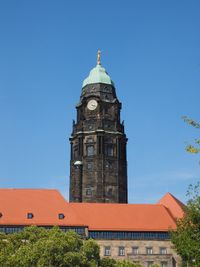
149	250
109	150
163	250
30	215
121	251
107	251
90	150
89	166
135	250
88	192
61	216
110	192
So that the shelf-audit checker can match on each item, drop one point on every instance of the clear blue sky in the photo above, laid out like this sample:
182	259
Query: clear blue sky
151	49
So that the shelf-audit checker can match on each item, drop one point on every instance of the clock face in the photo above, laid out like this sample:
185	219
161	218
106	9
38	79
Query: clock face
92	104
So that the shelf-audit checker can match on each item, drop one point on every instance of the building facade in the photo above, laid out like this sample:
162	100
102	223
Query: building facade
98	165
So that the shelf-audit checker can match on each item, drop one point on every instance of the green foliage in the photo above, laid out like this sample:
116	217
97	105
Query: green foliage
108	262
125	263
186	238
38	247
194	149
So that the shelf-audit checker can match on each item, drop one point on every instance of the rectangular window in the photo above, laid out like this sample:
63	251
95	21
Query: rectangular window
110	192
107	251
135	250
163	251
89	166
88	192
164	264
90	150
121	251
109	150
149	250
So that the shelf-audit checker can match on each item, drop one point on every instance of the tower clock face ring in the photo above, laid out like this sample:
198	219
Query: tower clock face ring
92	104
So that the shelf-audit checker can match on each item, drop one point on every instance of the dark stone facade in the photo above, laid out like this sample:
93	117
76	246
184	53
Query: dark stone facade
98	165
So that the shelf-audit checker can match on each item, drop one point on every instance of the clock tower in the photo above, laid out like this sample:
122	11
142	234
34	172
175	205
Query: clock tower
98	165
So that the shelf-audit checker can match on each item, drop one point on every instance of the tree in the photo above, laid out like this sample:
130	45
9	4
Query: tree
108	262
196	147
125	263
186	238
40	247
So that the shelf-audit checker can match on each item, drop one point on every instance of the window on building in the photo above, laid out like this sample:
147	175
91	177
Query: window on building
149	263
109	150
107	251
149	250
61	216
110	192
88	192
135	250
30	216
163	250
90	150
121	251
1	214
164	264
89	166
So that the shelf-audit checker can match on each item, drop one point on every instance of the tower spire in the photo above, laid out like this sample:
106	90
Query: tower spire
98	57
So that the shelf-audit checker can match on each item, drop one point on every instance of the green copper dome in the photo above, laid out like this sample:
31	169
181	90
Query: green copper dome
98	75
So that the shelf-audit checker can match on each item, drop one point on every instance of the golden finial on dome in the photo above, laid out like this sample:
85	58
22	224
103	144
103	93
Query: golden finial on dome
99	57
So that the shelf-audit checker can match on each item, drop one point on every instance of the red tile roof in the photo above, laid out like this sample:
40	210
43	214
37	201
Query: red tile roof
124	217
45	205
175	206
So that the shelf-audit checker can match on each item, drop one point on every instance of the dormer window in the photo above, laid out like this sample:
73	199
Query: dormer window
30	215
61	216
1	214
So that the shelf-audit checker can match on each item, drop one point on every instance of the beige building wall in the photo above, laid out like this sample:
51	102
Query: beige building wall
161	252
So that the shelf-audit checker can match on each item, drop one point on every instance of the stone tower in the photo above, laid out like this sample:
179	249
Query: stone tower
98	165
